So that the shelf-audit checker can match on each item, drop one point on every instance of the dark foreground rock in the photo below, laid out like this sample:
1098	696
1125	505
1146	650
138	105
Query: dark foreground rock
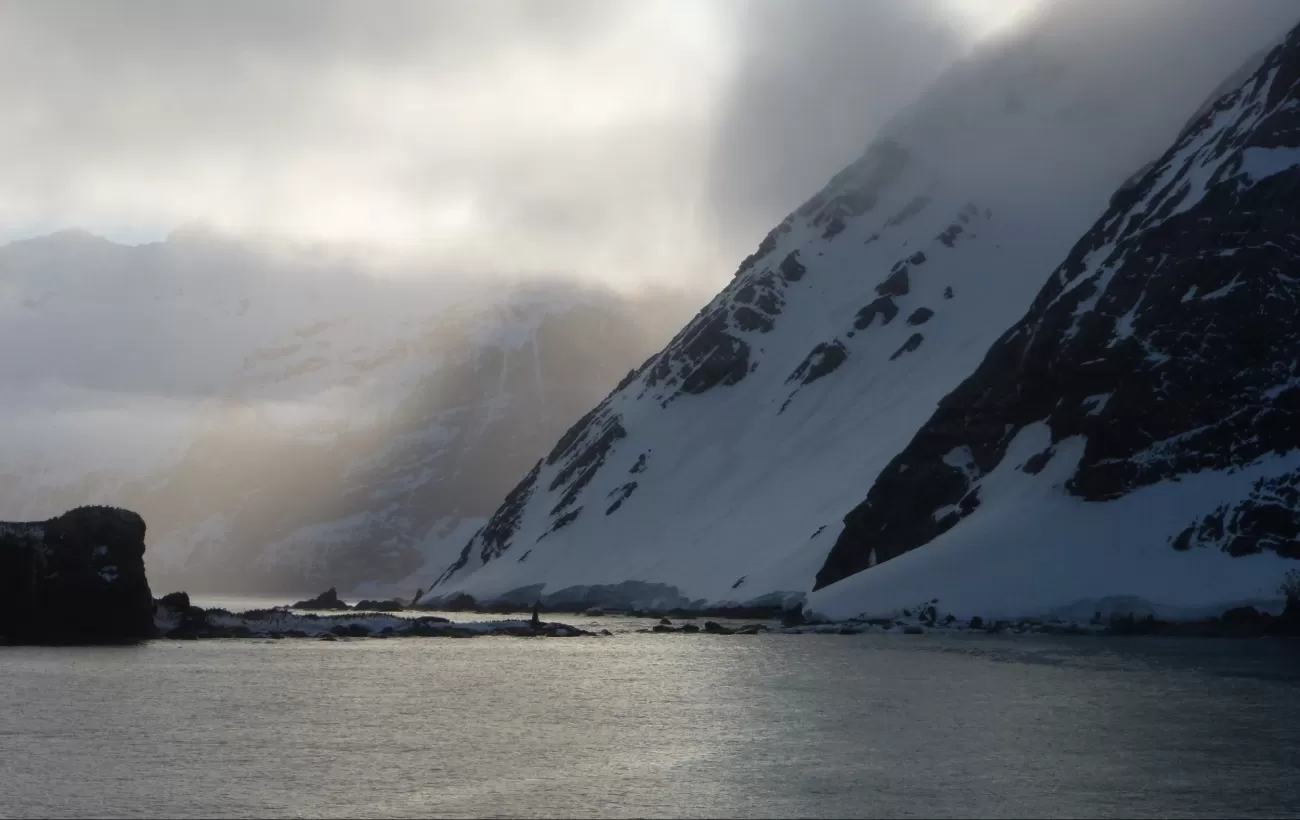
327	600
75	579
195	623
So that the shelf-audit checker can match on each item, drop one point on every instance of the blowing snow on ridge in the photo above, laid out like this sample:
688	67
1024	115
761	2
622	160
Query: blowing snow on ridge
720	472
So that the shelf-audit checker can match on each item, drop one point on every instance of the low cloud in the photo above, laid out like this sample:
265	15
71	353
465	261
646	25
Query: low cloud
613	140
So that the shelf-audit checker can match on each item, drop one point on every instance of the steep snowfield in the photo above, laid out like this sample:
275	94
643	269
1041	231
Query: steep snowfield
1137	433
724	466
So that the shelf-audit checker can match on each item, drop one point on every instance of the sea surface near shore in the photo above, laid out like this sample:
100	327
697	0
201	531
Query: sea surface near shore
647	725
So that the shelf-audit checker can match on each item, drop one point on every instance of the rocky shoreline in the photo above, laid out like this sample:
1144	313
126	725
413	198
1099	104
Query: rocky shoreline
177	619
79	579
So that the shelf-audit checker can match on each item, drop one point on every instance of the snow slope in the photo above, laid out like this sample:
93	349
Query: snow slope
1137	433
723	467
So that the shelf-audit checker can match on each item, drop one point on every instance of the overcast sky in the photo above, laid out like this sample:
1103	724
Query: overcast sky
617	139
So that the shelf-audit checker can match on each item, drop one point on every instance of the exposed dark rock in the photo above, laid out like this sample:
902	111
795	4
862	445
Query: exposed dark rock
822	360
714	628
765	247
1035	463
665	622
327	600
896	284
947	292
690	628
1267	519
920	316
791	268
562	522
749	319
620	495
495	536
976	622
912	343
950	234
380	606
883	307
704	355
78	578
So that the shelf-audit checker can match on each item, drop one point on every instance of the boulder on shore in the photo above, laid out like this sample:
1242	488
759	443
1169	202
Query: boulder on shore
75	579
329	599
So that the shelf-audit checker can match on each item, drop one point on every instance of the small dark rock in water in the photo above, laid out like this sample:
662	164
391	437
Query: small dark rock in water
380	606
665	622
606	632
715	628
977	622
663	628
329	599
327	638
690	628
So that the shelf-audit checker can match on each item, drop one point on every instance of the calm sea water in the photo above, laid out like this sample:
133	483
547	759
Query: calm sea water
653	726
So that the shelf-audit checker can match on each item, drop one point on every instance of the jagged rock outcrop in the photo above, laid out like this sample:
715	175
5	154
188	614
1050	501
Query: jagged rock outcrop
327	600
75	579
1166	345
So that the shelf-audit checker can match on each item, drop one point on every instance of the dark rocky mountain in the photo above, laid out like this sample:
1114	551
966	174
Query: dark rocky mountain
1165	347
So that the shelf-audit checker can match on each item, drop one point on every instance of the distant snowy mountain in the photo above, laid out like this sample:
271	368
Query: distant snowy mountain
283	421
721	471
1138	431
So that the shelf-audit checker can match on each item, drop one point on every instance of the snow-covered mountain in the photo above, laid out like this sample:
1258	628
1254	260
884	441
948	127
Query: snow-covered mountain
721	471
285	421
1138	431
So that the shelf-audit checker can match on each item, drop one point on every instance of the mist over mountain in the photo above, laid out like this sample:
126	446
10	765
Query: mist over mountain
723	472
286	418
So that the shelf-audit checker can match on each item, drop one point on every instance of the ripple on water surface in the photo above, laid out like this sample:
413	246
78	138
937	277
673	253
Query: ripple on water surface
654	725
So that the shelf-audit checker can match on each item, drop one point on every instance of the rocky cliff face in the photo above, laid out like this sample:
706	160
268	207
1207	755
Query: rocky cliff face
1165	348
78	578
